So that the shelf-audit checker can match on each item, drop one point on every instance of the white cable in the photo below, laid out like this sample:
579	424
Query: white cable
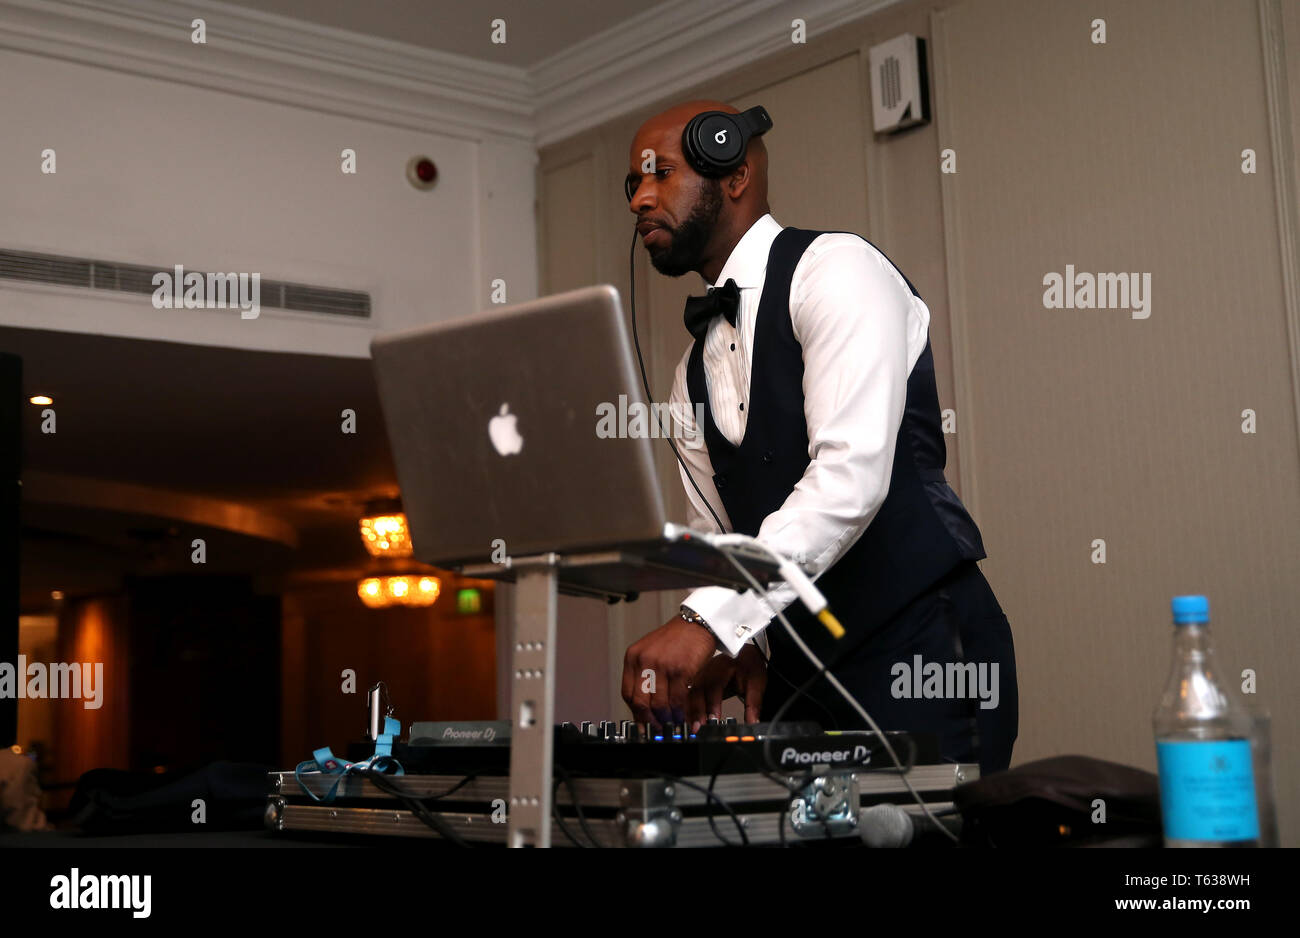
816	662
799	581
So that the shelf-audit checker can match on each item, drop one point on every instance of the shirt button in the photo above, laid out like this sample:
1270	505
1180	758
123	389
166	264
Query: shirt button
733	346
767	457
742	406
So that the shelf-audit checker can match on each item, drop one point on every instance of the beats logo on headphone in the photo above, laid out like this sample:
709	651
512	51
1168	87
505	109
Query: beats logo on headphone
714	142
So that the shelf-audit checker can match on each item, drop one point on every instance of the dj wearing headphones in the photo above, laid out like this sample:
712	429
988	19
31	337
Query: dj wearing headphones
810	355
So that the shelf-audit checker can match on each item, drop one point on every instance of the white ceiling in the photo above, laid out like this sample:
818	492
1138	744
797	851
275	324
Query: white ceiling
431	65
535	29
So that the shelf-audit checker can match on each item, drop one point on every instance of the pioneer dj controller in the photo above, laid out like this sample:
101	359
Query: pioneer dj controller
613	747
620	784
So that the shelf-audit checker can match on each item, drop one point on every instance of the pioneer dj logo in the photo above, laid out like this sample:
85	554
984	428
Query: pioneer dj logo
485	735
854	756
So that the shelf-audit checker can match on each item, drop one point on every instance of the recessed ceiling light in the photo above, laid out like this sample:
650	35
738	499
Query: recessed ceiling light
42	400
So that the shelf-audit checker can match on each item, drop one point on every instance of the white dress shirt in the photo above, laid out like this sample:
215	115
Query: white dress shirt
861	330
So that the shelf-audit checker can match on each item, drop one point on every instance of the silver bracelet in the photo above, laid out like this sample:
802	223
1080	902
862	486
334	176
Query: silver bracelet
687	614
693	617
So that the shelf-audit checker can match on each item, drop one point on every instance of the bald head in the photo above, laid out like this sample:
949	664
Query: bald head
689	221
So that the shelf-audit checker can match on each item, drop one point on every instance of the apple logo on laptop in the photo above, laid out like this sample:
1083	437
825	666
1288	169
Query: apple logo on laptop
502	430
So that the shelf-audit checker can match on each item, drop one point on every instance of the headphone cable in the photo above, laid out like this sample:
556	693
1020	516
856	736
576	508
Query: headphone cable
645	383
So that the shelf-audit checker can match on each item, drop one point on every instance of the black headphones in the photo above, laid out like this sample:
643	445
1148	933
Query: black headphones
714	142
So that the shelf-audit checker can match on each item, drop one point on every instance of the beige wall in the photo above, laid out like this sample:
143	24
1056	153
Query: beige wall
134	187
1073	425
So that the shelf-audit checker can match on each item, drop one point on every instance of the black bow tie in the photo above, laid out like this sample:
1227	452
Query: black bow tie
701	310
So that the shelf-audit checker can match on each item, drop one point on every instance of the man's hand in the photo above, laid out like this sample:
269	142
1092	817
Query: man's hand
744	676
673	654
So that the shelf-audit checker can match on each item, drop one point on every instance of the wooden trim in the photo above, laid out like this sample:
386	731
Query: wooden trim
950	204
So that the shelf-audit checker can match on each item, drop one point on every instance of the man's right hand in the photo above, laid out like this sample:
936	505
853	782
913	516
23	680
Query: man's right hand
744	676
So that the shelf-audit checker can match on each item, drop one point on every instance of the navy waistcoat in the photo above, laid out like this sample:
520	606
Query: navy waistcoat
922	531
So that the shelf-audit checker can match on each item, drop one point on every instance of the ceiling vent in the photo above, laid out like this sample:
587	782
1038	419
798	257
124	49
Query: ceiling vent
133	278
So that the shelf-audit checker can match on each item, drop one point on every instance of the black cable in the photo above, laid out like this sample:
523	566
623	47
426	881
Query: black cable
740	827
717	770
577	807
428	818
777	779
797	787
770	776
559	819
800	691
645	383
417	807
834	721
453	789
780	830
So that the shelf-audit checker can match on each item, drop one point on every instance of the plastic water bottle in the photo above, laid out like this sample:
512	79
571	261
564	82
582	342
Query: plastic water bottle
1203	743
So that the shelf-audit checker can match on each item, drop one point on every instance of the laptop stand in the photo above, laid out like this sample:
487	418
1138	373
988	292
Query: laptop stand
538	580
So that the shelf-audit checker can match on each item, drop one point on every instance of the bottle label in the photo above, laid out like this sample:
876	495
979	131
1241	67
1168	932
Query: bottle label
1207	790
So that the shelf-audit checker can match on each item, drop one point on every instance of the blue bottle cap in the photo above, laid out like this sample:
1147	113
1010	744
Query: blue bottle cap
1190	610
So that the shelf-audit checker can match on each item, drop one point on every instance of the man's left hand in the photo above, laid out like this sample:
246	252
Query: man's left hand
674	654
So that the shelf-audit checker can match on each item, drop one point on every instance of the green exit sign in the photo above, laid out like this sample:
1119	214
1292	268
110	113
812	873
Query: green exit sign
468	601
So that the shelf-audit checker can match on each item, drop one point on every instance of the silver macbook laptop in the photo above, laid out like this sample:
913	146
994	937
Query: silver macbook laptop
514	433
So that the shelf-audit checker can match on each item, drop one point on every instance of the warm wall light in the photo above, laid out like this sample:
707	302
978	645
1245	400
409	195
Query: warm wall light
380	592
41	400
386	536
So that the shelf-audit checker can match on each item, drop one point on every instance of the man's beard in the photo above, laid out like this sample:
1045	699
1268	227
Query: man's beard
686	247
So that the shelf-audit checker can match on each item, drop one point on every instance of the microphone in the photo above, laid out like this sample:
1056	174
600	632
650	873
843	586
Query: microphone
885	825
888	825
